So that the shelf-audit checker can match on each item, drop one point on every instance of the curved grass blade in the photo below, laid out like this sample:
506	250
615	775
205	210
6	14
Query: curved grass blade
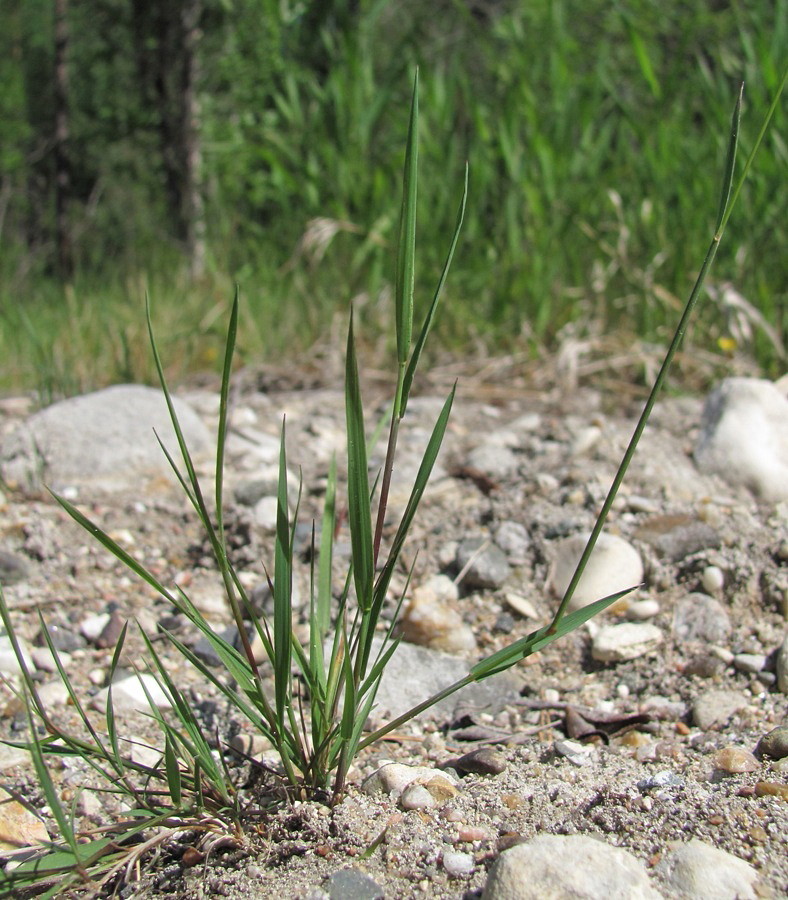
425	328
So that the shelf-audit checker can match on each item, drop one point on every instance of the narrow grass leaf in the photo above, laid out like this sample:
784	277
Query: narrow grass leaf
103	538
425	328
173	770
229	351
730	162
283	584
406	248
359	513
542	637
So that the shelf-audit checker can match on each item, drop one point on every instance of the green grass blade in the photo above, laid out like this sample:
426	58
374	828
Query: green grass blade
419	486
229	350
406	249
172	768
425	328
540	638
678	336
326	554
756	147
283	585
730	162
114	548
359	513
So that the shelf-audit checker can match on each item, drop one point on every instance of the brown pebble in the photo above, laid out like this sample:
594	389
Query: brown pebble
735	760
191	857
510	839
775	743
682	729
636	739
468	834
771	789
484	761
513	801
757	833
716	820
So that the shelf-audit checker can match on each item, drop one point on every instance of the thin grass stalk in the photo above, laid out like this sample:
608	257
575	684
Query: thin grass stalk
678	336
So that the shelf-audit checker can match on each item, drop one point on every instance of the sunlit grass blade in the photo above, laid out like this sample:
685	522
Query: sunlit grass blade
406	247
114	548
359	513
283	586
221	438
725	207
425	328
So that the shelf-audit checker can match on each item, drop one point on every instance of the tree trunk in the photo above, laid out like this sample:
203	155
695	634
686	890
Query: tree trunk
167	37
63	241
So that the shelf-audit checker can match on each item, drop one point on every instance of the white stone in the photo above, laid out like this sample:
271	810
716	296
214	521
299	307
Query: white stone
128	694
614	566
265	512
91	627
521	606
432	622
697	871
617	643
744	436
9	663
104	439
641	610
457	863
713	579
556	867
393	778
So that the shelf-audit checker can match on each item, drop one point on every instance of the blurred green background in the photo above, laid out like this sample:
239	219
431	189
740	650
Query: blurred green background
178	148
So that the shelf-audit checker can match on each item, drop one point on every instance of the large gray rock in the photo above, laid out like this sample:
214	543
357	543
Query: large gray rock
554	867
697	871
104	439
415	673
744	436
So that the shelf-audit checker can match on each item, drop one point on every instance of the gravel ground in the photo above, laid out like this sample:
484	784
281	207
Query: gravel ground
631	751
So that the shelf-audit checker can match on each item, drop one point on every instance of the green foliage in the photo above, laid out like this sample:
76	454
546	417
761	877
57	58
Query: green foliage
581	119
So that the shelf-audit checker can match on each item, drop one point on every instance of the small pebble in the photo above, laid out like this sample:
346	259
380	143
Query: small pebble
712	579
618	643
775	743
663	779
771	789
641	610
521	606
458	864
484	761
577	754
735	761
749	662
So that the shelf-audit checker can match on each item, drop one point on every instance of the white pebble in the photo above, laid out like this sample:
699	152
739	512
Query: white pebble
712	579
457	864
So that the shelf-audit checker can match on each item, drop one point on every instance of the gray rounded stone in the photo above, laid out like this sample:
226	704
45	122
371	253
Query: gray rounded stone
488	568
697	871
104	439
698	617
555	867
744	436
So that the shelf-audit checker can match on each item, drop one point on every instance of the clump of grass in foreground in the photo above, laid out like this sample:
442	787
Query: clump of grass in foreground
324	690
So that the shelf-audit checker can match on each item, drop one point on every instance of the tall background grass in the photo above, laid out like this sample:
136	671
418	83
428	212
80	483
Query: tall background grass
595	133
